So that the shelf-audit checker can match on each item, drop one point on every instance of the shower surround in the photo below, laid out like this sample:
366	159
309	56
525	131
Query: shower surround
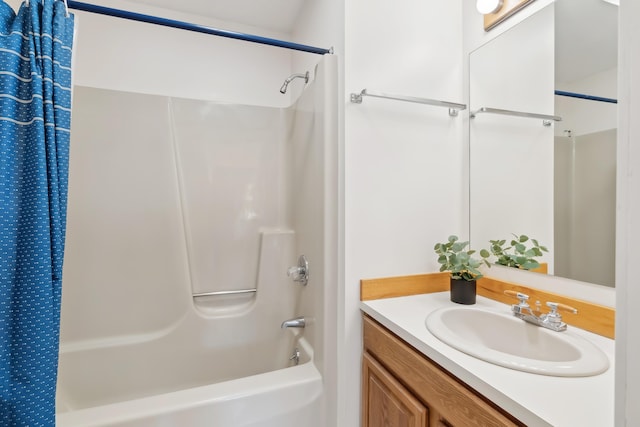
174	197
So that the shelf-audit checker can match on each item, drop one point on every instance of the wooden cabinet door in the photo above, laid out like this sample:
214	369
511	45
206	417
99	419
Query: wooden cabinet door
449	401
385	402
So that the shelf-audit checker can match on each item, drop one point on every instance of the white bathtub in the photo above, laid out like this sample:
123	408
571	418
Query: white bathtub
286	397
224	362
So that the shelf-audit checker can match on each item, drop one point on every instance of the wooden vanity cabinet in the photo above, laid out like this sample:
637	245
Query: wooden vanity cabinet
401	387
388	403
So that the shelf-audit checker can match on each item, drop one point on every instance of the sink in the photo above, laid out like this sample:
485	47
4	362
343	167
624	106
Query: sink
504	340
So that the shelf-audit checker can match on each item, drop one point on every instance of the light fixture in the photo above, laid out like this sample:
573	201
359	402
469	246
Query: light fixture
488	6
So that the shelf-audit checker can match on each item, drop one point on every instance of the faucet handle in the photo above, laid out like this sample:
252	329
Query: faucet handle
555	306
300	272
522	298
553	319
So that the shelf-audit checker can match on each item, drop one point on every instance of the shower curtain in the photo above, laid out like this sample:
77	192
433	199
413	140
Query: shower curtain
35	119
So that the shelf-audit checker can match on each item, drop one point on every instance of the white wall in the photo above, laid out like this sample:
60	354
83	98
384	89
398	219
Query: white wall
113	53
628	230
405	186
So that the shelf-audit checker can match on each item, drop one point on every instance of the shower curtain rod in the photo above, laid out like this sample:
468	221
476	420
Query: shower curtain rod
101	10
587	97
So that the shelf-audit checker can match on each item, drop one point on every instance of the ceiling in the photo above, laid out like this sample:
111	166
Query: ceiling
586	38
274	15
586	30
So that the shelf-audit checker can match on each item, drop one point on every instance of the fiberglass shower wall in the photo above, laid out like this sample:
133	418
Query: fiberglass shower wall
171	197
585	203
233	164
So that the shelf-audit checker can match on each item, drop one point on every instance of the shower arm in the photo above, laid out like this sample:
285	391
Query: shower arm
289	79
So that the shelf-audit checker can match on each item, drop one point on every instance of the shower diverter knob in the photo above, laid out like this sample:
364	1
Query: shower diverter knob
300	273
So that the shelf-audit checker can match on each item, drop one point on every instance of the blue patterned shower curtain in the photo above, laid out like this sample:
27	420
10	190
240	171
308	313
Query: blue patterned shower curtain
35	118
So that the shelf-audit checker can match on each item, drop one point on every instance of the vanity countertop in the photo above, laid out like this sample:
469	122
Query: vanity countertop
536	400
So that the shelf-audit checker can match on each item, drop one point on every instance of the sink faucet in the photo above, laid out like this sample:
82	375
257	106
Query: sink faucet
298	322
551	320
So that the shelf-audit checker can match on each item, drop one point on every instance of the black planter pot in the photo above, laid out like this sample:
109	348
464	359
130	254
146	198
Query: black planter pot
463	291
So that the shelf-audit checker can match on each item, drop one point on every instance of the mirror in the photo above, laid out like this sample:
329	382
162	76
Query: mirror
553	183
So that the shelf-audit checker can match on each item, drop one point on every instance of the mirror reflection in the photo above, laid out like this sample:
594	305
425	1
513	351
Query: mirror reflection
585	141
553	183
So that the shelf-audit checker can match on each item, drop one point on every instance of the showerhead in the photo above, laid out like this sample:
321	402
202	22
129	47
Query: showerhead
304	76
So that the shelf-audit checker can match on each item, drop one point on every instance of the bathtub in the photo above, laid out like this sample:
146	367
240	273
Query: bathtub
224	362
286	397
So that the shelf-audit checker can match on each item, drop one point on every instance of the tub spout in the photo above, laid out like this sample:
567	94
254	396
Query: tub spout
298	322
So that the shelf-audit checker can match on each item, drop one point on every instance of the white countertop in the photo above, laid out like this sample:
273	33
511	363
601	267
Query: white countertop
536	400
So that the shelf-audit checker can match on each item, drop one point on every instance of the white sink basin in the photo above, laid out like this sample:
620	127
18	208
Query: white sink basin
505	340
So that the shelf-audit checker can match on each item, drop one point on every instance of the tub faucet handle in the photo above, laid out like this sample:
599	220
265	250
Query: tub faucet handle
300	272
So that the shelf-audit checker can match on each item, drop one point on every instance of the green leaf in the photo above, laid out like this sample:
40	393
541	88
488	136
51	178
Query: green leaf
530	265
523	238
457	247
484	253
453	238
520	248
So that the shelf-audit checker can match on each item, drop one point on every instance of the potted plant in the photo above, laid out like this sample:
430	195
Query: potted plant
518	255
456	259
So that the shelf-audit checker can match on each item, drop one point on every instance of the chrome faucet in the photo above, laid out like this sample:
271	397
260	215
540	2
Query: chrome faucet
551	320
298	322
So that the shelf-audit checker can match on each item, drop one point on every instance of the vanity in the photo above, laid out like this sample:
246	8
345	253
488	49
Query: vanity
412	378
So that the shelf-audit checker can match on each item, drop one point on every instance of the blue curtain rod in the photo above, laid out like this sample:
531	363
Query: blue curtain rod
583	96
192	27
